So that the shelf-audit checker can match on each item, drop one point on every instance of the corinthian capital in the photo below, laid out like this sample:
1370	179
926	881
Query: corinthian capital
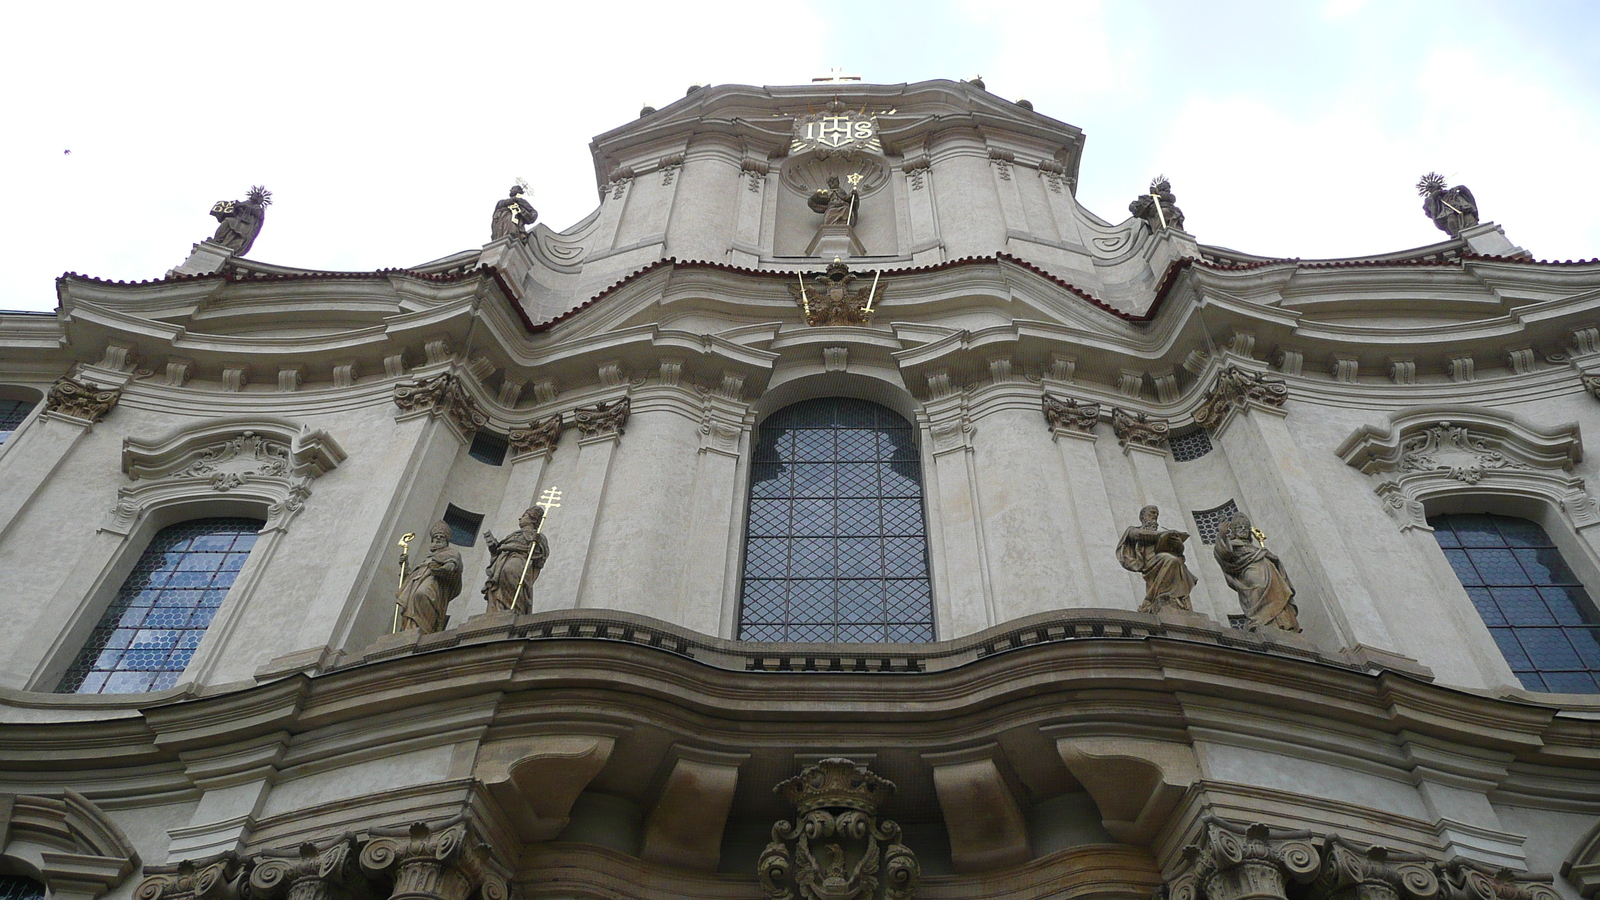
1235	862
433	862
211	878
307	872
1352	872
81	400
442	395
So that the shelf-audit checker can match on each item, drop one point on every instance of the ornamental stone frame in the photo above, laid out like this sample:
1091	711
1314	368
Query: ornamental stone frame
83	852
1437	451
267	460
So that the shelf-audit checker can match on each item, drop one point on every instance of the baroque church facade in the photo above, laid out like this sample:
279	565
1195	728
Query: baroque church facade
840	511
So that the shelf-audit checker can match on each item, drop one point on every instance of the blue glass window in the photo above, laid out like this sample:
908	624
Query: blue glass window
1539	614
152	628
837	547
12	412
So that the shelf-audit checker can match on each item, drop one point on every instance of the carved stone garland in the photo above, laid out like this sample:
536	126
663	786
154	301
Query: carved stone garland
540	435
840	849
442	395
603	418
81	400
1236	389
1139	429
1455	450
1067	414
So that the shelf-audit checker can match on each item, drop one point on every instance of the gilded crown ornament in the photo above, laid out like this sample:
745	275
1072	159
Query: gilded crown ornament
837	849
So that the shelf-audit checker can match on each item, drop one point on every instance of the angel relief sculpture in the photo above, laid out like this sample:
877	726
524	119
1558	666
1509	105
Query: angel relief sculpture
832	298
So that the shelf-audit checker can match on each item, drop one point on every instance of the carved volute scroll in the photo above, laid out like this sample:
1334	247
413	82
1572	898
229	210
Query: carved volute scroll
212	878
540	436
837	849
1236	389
80	399
603	418
1137	429
308	872
1465	880
1350	872
1067	414
442	395
1233	862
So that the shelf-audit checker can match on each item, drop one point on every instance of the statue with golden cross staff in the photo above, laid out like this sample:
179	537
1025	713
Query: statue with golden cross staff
509	574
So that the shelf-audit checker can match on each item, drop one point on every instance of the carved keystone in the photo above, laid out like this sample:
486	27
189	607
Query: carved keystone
840	848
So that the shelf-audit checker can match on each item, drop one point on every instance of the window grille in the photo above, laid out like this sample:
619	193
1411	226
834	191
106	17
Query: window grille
1191	445
20	887
488	447
12	412
463	525
836	547
146	637
1535	608
1209	521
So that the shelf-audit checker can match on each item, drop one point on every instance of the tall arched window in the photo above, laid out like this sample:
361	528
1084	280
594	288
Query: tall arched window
150	631
1538	612
837	546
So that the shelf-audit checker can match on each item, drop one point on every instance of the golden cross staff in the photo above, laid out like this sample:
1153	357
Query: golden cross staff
550	499
1259	535
405	551
854	179
804	303
872	294
1159	214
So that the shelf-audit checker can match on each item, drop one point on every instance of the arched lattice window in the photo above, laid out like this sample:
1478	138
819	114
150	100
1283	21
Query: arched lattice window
20	887
150	631
1538	612
837	545
12	412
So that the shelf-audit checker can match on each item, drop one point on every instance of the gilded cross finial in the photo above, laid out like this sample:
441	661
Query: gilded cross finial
835	75
550	499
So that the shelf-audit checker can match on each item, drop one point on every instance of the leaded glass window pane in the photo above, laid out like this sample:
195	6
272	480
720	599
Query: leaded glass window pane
837	547
1539	615
150	631
12	412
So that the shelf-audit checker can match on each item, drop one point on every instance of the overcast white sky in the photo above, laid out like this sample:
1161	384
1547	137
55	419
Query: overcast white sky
387	132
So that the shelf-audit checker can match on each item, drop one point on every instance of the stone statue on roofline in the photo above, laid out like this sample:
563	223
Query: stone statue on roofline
1159	208
1452	209
1265	595
239	221
515	563
429	587
513	216
1157	554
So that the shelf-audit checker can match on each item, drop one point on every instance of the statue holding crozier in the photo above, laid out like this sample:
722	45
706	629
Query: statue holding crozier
1157	554
428	587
